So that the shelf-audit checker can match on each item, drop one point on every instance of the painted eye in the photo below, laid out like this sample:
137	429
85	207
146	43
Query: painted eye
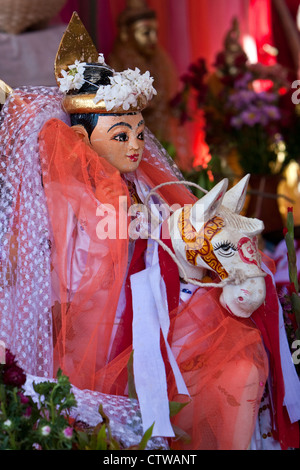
122	137
141	136
225	249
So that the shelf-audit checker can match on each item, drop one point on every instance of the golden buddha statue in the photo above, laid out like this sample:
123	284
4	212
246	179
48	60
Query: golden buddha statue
137	46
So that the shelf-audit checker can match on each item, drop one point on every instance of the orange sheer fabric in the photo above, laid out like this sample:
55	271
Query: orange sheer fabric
224	365
75	179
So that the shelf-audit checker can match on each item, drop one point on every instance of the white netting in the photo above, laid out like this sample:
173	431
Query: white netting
25	239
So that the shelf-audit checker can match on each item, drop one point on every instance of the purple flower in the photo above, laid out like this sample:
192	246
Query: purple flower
267	96
36	446
243	82
242	98
271	112
250	117
236	122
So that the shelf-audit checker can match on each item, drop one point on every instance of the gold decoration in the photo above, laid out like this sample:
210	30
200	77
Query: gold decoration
5	91
84	103
199	244
76	44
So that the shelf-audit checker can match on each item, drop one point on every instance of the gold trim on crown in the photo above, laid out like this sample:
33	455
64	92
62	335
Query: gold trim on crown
84	103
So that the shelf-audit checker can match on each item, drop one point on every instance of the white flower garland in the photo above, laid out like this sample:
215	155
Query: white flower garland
125	87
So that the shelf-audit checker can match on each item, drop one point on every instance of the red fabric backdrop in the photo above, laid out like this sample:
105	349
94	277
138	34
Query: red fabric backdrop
187	28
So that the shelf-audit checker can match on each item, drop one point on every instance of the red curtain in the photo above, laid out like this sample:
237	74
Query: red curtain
260	28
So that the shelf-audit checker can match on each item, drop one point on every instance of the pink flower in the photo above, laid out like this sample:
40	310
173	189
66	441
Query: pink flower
23	398
46	430
68	432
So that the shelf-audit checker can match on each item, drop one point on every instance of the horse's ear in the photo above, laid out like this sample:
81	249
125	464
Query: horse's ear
234	199
207	206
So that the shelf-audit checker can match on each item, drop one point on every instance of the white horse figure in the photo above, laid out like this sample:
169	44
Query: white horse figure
212	235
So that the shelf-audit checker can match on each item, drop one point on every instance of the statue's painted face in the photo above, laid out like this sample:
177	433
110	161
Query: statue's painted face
120	140
143	33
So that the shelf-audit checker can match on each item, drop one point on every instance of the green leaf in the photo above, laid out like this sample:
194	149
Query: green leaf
175	407
101	441
146	437
131	385
83	440
113	444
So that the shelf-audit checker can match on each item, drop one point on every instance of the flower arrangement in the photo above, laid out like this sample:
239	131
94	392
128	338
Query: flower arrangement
45	424
243	107
125	89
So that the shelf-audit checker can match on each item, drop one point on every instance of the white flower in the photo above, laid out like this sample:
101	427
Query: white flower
72	79
45	430
101	59
7	423
78	67
125	89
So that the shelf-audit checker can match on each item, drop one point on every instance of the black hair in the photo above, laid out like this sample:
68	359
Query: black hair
87	120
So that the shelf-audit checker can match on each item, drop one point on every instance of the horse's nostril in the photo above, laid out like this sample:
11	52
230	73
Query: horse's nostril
241	299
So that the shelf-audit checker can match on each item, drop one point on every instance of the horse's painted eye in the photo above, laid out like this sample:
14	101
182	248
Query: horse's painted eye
225	249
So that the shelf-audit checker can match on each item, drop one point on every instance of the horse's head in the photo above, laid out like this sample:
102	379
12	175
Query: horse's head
212	235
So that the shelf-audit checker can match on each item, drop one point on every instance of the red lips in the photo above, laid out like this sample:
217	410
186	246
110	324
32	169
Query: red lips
134	158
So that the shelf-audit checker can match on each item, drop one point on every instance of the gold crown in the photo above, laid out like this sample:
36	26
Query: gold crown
77	45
